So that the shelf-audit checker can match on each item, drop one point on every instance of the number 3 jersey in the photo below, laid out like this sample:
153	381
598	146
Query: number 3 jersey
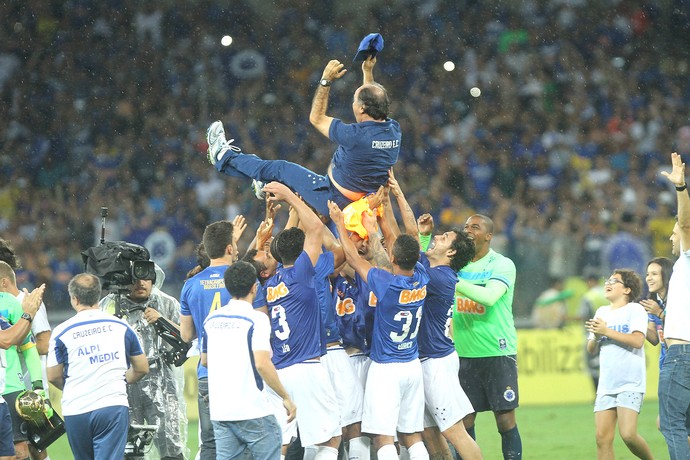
398	313
295	314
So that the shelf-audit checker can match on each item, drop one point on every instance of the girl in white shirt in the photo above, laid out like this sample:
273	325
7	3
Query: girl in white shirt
617	333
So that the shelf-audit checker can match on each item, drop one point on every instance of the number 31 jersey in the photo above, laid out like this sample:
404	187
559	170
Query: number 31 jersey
398	313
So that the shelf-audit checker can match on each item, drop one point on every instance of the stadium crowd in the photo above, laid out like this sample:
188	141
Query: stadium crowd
107	104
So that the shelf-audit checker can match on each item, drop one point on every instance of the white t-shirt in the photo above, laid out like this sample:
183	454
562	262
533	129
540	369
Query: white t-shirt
235	387
622	368
677	322
94	347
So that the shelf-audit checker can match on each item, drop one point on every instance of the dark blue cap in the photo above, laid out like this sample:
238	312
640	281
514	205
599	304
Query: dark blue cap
372	44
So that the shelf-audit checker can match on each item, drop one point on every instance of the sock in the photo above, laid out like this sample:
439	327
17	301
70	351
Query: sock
511	444
310	452
359	448
282	457
387	452
325	453
404	453
470	431
418	451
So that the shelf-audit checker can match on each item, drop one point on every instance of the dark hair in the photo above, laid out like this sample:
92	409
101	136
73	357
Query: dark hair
202	258
290	244
273	248
239	278
488	223
86	288
666	265
464	249
375	100
406	251
249	257
217	237
632	281
7	254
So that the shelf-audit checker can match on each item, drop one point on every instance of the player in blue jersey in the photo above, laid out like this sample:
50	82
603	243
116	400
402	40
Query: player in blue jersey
366	149
91	358
201	294
394	393
296	330
446	402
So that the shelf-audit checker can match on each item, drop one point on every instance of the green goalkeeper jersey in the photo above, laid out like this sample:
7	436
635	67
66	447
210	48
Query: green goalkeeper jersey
482	330
11	311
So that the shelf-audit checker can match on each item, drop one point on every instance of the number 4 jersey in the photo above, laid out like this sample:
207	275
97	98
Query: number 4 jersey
398	312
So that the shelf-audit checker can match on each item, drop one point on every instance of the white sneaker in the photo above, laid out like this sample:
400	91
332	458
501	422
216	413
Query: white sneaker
258	189
217	144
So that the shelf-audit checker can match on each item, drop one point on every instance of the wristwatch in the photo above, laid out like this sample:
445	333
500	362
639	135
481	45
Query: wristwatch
325	82
27	317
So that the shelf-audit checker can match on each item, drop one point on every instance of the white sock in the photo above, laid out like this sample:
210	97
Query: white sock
418	451
387	452
359	448
325	453
310	452
404	454
282	457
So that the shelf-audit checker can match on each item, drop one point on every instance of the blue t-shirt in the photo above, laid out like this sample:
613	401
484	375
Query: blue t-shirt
433	339
295	314
398	314
349	314
324	268
202	294
365	153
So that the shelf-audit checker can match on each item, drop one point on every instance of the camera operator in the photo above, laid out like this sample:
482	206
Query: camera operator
157	399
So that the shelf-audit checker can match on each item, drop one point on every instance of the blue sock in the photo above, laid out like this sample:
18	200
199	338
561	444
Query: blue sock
511	444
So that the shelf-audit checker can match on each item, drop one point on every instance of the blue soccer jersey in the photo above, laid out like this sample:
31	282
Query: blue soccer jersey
324	268
398	314
295	314
349	314
365	153
434	332
201	294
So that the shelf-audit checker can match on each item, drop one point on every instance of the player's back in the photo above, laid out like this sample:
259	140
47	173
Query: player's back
295	316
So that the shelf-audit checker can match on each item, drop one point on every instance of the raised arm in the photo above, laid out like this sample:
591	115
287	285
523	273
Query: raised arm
360	265
408	218
16	334
677	178
368	70
317	117
312	225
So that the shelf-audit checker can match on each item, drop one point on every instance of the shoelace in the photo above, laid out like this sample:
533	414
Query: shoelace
234	148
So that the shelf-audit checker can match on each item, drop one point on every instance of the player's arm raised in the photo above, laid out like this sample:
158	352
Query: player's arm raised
312	225
360	265
317	117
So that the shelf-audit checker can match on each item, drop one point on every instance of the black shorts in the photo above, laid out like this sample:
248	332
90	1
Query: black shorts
491	384
16	419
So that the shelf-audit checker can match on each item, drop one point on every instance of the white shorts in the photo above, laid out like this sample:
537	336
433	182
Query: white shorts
446	402
361	362
394	399
310	389
348	389
628	399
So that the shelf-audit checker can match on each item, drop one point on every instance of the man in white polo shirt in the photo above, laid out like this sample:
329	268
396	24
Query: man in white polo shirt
91	358
240	412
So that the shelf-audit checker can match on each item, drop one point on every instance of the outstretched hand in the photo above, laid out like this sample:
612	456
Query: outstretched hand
334	70
335	213
277	191
677	174
239	224
368	64
425	224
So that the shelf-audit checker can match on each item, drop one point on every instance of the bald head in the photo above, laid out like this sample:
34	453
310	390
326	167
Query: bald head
374	101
